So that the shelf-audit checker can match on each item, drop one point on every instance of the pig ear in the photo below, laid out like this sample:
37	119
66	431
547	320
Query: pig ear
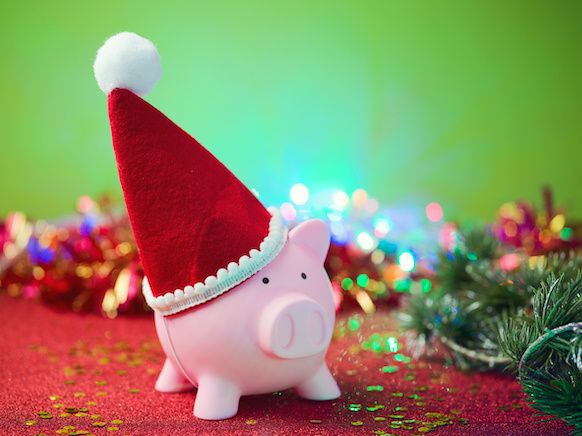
312	235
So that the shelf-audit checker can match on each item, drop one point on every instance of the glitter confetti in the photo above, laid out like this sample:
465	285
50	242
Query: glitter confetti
375	388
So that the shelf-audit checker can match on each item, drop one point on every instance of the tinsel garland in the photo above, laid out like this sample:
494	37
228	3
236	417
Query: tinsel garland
89	262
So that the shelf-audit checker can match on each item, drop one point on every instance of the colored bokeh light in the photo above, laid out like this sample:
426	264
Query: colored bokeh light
288	211
299	194
365	241
381	227
434	212
406	261
340	199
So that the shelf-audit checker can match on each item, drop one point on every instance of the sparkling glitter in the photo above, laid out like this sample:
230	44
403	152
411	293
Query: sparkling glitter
99	424
397	394
54	397
116	421
389	369
379	419
355	407
30	422
113	428
396	416
375	388
375	407
357	423
251	421
402	358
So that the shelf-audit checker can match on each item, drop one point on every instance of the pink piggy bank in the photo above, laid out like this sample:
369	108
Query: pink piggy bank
269	333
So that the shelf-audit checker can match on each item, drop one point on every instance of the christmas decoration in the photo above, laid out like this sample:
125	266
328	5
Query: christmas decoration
545	344
492	303
88	263
201	234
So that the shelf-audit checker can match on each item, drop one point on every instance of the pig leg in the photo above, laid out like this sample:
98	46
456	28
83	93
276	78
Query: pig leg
216	398
321	386
172	380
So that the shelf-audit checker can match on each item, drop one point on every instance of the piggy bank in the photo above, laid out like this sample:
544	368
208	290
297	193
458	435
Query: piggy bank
268	334
241	305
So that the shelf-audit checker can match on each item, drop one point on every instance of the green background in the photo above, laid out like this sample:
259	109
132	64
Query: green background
467	103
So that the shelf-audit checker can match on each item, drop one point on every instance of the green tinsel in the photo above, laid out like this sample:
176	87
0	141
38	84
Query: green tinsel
486	317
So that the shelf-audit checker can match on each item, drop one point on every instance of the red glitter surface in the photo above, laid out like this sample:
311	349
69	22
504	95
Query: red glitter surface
109	367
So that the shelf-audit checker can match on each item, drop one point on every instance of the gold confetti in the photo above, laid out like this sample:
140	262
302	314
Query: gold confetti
99	424
54	397
81	414
113	428
95	416
379	419
91	403
251	421
357	423
456	412
45	415
423	430
101	383
58	405
64	415
30	422
101	394
116	421
134	391
79	394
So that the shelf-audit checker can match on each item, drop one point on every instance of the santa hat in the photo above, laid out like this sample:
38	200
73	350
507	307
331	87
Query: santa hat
200	232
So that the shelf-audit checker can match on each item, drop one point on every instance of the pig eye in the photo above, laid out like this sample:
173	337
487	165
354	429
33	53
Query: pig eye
265	280
303	276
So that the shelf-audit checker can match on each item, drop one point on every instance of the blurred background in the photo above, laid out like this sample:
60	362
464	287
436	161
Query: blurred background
468	105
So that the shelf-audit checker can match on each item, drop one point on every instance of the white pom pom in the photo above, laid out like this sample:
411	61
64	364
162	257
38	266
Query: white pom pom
129	61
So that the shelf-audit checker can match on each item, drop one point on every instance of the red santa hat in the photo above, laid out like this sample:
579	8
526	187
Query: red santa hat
200	232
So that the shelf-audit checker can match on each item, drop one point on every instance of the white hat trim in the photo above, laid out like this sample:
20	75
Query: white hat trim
225	278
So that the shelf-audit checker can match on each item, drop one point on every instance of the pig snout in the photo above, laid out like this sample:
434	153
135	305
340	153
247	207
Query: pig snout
294	326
